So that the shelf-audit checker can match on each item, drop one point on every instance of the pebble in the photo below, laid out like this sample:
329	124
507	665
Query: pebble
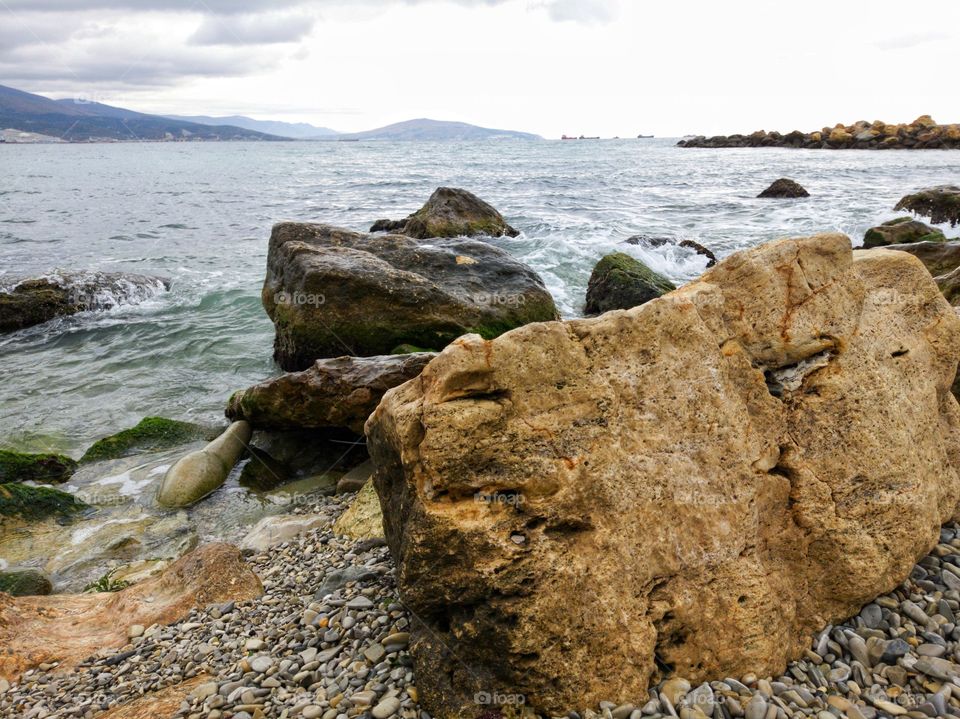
386	708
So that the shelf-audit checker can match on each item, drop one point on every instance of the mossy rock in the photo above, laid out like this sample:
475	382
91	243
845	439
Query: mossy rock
22	467
902	230
25	583
620	282
31	503
940	204
33	302
151	434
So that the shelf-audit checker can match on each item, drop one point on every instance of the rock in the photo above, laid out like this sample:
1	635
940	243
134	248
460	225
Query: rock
940	258
675	689
332	292
339	578
386	708
67	628
162	702
784	187
199	473
151	434
940	204
354	480
902	230
24	582
700	250
34	301
281	528
742	423
339	392
22	467
363	518
450	212
33	503
262	472
647	241
949	285
619	282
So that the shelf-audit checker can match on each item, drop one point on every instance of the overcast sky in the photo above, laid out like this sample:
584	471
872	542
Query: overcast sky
600	67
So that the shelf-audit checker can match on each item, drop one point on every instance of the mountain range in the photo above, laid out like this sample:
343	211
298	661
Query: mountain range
75	120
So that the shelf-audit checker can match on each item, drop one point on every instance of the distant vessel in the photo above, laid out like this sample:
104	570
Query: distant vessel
348	139
644	137
582	137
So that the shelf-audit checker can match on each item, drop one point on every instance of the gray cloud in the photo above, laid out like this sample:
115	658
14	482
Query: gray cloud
588	11
262	29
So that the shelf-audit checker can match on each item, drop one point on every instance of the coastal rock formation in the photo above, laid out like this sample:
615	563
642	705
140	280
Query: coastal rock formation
921	134
199	473
691	487
901	230
940	204
450	212
619	282
34	301
784	188
332	292
940	258
46	467
67	628
148	435
648	241
340	392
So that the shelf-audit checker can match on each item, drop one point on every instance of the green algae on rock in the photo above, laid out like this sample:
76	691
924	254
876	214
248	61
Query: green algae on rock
450	212
940	204
46	467
619	282
24	583
29	502
902	230
152	433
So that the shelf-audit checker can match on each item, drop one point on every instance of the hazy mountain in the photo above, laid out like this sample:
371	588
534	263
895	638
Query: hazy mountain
296	130
78	121
424	129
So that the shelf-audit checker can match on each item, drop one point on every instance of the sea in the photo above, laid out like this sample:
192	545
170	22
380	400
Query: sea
200	214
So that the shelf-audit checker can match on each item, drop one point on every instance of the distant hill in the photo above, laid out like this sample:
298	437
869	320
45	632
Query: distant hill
296	130
80	121
424	129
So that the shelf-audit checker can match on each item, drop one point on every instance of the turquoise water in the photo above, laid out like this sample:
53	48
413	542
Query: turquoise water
200	214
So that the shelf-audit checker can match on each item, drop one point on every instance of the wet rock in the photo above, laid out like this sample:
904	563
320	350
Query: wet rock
671	414
339	392
940	204
784	187
199	473
902	230
940	258
450	212
619	282
354	480
332	292
32	503
648	241
23	467
150	434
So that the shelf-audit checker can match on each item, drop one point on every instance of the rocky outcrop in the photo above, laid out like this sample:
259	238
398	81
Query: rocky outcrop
650	241
339	392
921	134
34	301
784	188
148	435
46	467
67	628
901	230
450	212
332	292
619	282
693	486
940	204
199	473
940	258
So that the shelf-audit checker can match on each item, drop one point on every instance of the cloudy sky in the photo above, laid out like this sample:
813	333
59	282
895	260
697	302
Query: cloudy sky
604	67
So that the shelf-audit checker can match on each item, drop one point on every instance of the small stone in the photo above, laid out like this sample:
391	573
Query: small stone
701	698
311	712
254	645
675	689
360	602
397	641
261	663
386	708
756	707
135	630
204	690
374	653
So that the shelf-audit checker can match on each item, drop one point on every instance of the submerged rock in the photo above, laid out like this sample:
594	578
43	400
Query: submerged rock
67	628
619	282
23	467
902	230
940	204
784	187
24	583
699	483
332	292
199	473
34	301
31	503
450	212
150	434
339	392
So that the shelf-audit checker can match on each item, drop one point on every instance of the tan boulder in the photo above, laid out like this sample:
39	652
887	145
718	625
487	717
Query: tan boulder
363	518
67	628
840	136
200	473
700	483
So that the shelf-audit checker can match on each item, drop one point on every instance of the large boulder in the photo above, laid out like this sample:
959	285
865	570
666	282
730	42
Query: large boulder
784	187
67	628
940	204
339	392
619	282
332	292
450	212
693	486
33	301
902	230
